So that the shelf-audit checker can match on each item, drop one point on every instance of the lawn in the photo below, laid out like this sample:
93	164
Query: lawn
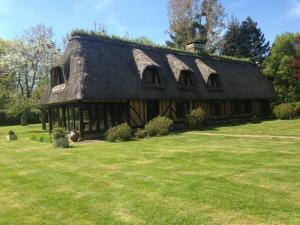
184	178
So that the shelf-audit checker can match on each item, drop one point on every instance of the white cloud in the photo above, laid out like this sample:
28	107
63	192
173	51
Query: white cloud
295	10
91	5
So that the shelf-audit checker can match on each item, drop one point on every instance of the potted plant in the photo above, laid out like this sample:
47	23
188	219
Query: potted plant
11	136
60	138
74	136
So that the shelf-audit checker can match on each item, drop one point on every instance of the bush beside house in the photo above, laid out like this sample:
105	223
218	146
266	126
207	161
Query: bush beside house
121	132
195	118
159	126
287	110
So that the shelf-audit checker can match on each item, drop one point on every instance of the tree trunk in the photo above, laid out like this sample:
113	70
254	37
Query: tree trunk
43	118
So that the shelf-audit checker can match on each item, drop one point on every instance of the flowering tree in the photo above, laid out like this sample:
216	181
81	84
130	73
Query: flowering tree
28	60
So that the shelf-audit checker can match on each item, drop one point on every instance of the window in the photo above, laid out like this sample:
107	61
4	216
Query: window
57	77
152	110
182	109
214	81
185	79
151	76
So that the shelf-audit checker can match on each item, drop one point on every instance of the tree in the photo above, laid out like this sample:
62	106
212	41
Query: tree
252	43
29	59
6	79
279	67
187	18
296	61
231	39
214	14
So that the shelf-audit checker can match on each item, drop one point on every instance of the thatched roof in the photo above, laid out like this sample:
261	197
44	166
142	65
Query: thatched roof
103	69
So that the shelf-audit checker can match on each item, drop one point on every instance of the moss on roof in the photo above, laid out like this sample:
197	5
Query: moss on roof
148	43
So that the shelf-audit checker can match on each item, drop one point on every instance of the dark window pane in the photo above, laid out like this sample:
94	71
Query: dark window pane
185	79
151	76
152	109
182	109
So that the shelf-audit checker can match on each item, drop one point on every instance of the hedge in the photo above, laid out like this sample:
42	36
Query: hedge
7	119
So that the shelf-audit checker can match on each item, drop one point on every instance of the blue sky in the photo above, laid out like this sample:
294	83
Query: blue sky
135	17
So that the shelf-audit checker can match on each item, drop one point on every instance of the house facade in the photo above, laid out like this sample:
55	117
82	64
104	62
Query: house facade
101	82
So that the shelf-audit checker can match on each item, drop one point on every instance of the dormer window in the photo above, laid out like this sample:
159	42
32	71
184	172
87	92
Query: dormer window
151	76
214	82
56	76
185	79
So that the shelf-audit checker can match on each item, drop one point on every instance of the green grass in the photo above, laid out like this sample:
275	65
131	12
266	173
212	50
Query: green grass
272	127
185	178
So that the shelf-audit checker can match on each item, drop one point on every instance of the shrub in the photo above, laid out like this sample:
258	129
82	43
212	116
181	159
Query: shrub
254	119
140	133
11	136
119	133
297	108
11	133
285	111
159	126
59	132
195	118
7	119
44	139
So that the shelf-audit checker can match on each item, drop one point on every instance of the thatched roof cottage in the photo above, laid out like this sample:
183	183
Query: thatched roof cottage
101	82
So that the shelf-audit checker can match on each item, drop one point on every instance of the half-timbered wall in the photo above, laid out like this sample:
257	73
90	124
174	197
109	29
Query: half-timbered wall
99	116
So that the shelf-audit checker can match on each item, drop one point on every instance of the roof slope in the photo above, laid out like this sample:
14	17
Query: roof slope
102	69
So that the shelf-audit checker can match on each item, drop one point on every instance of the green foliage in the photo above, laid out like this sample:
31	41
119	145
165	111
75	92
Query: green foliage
254	119
297	107
231	39
59	132
11	132
140	133
159	126
195	118
144	41
41	138
121	132
285	111
278	66
8	119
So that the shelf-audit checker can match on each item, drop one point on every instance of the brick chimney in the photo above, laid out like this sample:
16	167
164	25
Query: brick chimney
195	46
